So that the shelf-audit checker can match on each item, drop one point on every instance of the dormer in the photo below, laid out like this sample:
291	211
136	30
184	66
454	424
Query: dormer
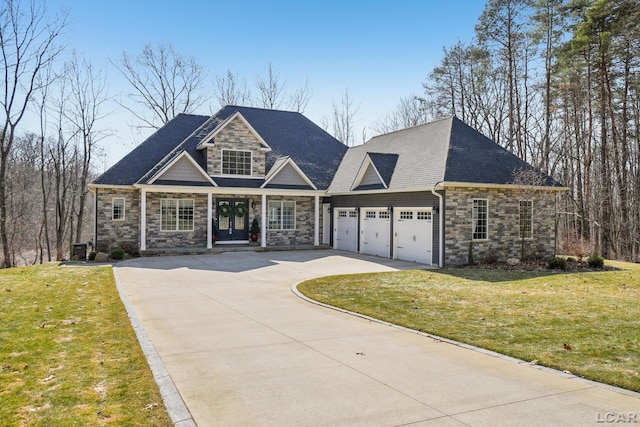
235	150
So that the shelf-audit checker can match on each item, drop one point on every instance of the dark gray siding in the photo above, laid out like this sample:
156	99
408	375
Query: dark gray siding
409	200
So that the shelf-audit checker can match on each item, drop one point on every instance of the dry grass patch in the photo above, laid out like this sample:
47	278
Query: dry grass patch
527	315
68	355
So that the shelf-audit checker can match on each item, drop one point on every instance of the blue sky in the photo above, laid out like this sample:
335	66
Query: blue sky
380	51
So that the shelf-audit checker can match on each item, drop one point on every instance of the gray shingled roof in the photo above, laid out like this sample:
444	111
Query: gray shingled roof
446	150
288	133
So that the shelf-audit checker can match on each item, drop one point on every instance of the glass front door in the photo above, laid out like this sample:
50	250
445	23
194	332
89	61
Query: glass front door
233	219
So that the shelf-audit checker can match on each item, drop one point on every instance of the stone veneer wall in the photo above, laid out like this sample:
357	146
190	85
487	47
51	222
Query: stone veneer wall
236	136
176	239
124	234
303	234
503	224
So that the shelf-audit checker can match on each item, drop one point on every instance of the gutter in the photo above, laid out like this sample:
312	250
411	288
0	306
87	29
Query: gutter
440	224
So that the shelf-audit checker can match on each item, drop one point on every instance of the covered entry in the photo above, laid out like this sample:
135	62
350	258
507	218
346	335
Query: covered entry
345	229
233	220
413	232
376	232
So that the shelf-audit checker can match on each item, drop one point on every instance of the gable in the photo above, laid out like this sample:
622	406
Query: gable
288	176
370	177
182	170
285	173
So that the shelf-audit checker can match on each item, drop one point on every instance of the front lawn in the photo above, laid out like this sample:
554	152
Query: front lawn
68	354
527	315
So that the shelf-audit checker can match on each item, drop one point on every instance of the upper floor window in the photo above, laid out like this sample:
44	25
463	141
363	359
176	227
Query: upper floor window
117	209
480	219
236	162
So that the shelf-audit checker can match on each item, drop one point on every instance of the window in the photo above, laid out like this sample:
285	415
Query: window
423	216
526	219
383	214
117	209
176	215
370	215
480	215
236	162
282	215
406	215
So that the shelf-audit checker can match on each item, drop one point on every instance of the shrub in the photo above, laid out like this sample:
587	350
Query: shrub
116	253
491	256
557	262
92	255
595	261
470	260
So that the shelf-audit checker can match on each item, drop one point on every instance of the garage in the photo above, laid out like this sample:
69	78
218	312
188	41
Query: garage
375	232
345	230
413	234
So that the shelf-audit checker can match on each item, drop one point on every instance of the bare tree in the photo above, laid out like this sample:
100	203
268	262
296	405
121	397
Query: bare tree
229	91
28	43
343	119
87	96
164	83
301	97
270	89
409	112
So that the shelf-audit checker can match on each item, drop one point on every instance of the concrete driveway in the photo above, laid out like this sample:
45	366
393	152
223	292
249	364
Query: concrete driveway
243	350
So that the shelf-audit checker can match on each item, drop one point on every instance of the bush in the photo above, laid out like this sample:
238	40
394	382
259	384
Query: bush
491	256
595	261
557	263
116	253
92	255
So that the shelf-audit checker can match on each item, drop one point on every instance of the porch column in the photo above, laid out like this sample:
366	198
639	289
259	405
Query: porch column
263	227
209	220
143	220
316	222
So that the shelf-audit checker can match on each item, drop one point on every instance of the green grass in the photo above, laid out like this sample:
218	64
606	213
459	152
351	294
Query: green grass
68	354
527	315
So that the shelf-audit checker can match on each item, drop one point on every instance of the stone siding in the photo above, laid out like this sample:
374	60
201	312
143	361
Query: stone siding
122	233
503	224
303	234
176	239
236	136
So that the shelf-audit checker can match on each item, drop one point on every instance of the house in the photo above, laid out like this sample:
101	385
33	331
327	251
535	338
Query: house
420	194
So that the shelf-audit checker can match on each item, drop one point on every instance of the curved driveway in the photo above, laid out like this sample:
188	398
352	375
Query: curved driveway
243	350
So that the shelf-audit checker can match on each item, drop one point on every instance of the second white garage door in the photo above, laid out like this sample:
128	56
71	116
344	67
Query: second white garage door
413	234
375	232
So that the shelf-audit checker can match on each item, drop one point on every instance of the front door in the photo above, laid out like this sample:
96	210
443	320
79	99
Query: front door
233	219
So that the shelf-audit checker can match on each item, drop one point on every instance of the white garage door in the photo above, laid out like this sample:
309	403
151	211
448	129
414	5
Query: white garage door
345	230
375	232
413	234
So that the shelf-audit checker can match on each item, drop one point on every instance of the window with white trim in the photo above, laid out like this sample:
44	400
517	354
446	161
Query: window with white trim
526	219
406	214
117	209
176	214
282	215
480	219
370	214
236	162
383	214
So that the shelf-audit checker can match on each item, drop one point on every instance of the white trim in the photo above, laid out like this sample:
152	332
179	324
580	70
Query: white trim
316	221
98	186
206	141
177	229
236	176
440	186
222	150
363	171
514	186
288	161
169	165
143	220
295	213
263	235
396	218
363	217
209	220
228	190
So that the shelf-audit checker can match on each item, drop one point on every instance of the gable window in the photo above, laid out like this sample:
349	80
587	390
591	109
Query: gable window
526	219
117	209
479	219
176	215
236	162
282	215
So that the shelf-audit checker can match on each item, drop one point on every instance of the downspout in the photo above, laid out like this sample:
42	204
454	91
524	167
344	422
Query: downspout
440	225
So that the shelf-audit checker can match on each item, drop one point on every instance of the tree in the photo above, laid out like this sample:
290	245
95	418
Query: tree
164	82
29	41
410	111
229	91
270	89
342	120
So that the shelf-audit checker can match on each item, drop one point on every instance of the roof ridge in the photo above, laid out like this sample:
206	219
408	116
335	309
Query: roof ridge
416	126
